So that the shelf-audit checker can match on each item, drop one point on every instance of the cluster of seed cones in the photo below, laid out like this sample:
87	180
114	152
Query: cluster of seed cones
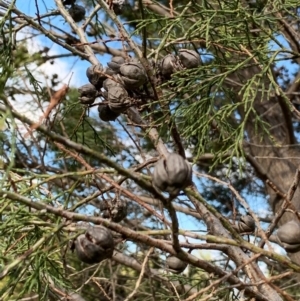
120	84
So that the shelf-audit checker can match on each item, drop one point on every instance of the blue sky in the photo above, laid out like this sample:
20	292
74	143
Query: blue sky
75	65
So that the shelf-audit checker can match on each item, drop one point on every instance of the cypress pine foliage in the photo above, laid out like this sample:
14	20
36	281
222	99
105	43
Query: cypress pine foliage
215	82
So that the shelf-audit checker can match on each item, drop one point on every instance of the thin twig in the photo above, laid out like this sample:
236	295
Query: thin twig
55	100
144	266
243	203
220	280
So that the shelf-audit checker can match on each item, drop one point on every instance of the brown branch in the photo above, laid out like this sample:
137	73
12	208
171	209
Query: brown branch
207	266
114	184
55	100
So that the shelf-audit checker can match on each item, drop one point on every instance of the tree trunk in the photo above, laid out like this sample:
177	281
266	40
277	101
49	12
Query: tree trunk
275	153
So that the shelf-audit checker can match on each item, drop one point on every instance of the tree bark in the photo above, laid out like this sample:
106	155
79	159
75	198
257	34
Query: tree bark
276	153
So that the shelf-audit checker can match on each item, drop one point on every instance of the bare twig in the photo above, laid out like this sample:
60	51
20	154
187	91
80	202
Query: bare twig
55	100
144	266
